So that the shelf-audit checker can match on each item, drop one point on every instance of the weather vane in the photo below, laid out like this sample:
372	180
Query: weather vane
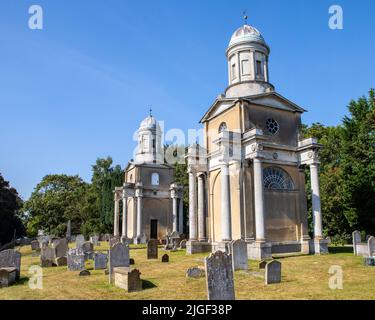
245	17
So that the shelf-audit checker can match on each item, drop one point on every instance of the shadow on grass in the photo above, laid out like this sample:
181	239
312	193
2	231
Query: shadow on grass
21	281
148	284
342	249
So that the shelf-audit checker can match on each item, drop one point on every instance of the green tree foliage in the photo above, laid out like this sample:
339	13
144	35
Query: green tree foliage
10	219
105	178
347	171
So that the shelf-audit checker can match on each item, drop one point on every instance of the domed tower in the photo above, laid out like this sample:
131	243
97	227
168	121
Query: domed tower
149	142
247	56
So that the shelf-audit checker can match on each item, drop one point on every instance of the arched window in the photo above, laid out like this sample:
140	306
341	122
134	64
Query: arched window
222	127
155	179
277	179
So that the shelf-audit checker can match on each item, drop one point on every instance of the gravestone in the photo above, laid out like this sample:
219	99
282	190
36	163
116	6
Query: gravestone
35	245
11	258
371	246
183	244
100	261
356	237
61	247
127	279
152	249
118	257
43	241
80	240
273	272
7	276
195	272
369	261
219	276
61	261
88	250
76	260
47	257
84	273
238	251
262	264
114	240
94	240
165	258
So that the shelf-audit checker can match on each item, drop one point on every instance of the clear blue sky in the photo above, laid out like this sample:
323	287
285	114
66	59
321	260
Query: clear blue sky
78	89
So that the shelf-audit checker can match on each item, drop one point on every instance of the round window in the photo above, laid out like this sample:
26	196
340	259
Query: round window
272	126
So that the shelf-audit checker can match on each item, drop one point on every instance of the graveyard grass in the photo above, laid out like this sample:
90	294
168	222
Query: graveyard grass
303	277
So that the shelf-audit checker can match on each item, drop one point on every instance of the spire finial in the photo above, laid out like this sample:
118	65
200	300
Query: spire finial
245	17
150	112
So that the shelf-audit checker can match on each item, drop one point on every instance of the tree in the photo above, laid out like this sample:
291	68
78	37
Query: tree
10	205
104	180
56	200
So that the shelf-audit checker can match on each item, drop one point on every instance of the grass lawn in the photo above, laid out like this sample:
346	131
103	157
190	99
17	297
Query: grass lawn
303	277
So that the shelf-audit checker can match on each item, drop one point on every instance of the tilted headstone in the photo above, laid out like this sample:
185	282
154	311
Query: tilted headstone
118	257
165	258
195	272
152	249
183	244
219	276
35	245
76	260
371	246
11	258
273	272
238	250
80	240
100	261
61	247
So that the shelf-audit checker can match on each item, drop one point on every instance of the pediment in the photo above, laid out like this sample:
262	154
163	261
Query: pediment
274	100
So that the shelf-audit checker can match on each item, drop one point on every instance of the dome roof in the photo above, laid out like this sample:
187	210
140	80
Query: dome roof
150	123
246	34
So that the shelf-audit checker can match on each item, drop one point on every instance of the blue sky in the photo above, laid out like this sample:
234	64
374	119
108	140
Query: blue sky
78	89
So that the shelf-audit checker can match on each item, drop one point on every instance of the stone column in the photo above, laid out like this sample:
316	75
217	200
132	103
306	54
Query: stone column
201	207
192	207
259	201
124	217
226	225
116	217
315	193
139	196
181	215
174	216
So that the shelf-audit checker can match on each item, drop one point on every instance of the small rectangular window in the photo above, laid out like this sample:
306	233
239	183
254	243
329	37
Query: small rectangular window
245	67
146	144
234	76
259	68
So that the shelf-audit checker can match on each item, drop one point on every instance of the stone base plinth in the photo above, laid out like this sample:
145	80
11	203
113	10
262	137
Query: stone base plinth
305	246
259	250
220	246
319	246
197	247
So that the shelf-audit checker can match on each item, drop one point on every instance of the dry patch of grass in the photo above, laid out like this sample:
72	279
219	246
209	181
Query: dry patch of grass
303	277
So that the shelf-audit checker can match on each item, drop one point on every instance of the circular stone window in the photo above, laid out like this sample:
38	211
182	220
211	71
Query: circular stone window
272	126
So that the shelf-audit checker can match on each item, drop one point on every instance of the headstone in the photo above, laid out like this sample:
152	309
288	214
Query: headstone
76	260
94	240
11	258
118	257
47	257
371	246
262	264
165	258
114	240
88	250
183	244
7	276
61	261
80	240
127	279
152	249
69	230
369	261
238	251
43	241
35	245
219	276
61	247
356	237
100	261
273	272
195	272
84	273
